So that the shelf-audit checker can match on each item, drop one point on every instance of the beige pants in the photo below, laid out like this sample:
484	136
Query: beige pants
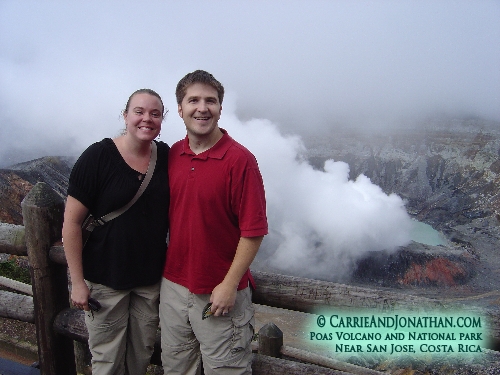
223	342
123	332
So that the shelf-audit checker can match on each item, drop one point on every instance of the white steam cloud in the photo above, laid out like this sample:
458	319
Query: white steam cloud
320	221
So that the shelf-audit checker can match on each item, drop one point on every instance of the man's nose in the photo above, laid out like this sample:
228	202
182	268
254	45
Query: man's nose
202	106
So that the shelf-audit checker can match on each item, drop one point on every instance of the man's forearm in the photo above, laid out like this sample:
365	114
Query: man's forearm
245	254
224	295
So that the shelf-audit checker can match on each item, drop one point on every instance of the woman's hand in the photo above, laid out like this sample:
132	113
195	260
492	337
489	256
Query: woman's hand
80	294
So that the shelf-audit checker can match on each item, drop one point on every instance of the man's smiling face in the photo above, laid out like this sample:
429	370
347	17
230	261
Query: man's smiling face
200	109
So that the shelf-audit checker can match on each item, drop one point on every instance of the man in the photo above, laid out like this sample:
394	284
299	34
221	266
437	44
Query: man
218	220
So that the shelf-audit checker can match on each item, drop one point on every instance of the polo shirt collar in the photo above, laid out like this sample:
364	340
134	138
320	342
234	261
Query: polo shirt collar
217	151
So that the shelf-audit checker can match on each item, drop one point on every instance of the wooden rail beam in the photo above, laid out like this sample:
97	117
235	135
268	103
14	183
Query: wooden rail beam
17	306
309	357
264	365
16	285
71	323
307	295
12	239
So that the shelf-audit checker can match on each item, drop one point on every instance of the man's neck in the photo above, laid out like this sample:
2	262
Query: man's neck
199	144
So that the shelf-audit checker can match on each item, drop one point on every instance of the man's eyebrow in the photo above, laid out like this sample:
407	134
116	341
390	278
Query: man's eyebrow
202	97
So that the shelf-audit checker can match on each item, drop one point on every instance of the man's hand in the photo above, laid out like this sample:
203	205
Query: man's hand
223	298
224	295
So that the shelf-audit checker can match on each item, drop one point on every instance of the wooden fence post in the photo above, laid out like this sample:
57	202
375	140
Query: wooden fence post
270	340
43	216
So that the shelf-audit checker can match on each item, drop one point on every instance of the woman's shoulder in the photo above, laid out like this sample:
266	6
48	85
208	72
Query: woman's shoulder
104	144
162	145
104	148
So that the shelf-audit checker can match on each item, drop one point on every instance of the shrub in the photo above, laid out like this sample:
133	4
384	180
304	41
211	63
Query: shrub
13	271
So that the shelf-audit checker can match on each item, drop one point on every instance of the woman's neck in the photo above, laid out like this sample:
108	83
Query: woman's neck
135	154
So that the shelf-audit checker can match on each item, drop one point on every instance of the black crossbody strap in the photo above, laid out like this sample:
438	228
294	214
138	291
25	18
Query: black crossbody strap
144	185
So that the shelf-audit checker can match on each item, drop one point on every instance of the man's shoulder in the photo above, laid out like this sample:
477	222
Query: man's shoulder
179	143
177	146
237	150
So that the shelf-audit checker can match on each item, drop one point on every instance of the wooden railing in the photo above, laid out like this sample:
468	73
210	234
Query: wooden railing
58	325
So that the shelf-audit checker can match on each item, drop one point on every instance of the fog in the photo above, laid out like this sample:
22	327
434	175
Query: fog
67	68
290	69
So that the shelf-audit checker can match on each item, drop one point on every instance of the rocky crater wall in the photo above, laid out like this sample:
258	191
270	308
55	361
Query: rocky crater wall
17	180
448	173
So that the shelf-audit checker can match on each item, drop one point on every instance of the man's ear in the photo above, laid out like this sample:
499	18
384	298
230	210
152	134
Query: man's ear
179	110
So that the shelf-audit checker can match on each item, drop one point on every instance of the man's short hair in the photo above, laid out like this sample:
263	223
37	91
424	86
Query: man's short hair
198	76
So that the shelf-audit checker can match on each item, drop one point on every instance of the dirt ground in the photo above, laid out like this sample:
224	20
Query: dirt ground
18	341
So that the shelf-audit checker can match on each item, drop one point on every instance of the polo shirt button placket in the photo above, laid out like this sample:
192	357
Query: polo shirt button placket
191	170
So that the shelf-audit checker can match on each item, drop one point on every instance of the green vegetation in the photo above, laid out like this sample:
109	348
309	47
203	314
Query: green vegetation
13	271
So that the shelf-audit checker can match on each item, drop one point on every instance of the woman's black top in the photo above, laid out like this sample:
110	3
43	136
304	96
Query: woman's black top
128	251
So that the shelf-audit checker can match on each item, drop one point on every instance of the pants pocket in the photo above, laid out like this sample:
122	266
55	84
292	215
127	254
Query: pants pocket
243	330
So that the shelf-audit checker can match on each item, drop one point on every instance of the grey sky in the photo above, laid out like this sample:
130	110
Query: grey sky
67	68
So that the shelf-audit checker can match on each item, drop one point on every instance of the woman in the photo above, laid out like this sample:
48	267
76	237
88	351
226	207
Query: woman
122	261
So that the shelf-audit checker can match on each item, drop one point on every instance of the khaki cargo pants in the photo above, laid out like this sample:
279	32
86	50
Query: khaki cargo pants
223	342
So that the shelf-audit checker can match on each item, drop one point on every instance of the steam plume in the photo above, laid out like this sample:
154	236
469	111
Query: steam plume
320	221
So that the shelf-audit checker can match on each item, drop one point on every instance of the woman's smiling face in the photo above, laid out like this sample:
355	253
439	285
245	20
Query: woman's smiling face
144	116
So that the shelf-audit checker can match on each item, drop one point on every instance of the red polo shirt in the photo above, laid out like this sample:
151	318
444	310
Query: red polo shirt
216	197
